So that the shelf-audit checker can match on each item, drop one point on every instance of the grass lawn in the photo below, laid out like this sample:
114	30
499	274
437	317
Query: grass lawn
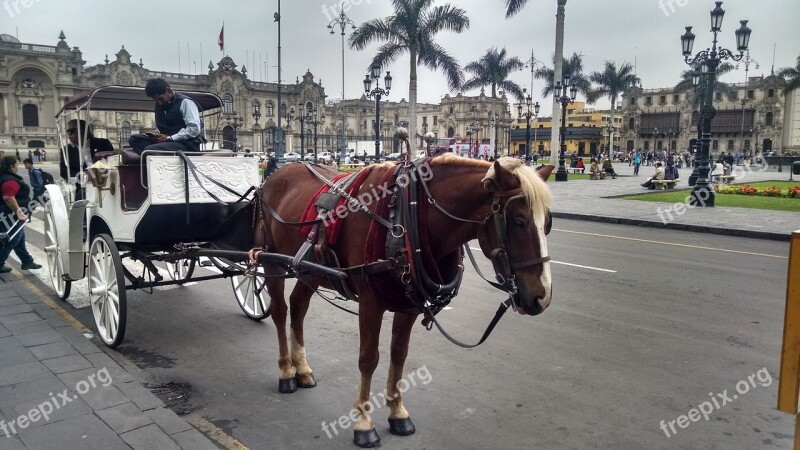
731	200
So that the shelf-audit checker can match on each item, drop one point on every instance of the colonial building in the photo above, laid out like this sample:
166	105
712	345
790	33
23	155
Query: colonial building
36	80
749	120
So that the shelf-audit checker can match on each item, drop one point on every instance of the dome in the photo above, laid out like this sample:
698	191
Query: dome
8	38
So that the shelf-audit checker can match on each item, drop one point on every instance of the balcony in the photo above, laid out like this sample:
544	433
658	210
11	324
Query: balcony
33	132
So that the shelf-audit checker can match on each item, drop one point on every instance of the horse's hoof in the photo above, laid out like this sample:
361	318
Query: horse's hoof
306	381
402	427
287	386
366	439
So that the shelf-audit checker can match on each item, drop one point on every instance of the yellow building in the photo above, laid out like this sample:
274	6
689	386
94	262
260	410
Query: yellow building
586	134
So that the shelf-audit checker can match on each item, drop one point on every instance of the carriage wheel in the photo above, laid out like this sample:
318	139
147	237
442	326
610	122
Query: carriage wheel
56	252
180	270
251	294
107	290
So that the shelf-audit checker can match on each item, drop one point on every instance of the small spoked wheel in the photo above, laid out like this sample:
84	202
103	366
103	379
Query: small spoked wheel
107	290
251	294
56	252
180	270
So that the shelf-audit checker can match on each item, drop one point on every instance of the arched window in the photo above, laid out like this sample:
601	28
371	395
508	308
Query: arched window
715	145
451	110
673	145
451	132
270	109
730	145
633	101
125	132
768	119
631	123
30	115
771	93
269	139
228	136
227	103
309	107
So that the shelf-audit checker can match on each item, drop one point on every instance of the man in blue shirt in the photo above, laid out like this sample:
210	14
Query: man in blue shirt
177	120
36	179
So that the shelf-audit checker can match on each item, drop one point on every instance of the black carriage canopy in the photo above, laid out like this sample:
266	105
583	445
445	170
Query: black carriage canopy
131	98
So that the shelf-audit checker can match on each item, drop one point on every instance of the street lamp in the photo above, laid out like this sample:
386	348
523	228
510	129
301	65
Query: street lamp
746	61
256	113
377	92
698	78
312	118
288	116
702	193
302	116
236	122
430	138
342	22
560	93
528	109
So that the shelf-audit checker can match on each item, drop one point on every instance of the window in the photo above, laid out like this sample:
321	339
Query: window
633	101
751	94
473	108
451	110
662	100
715	145
676	98
646	145
435	120
309	107
673	145
771	93
451	132
227	103
30	116
270	109
631	123
660	145
718	96
648	101
768	119
747	144
735	95
125	132
730	145
269	136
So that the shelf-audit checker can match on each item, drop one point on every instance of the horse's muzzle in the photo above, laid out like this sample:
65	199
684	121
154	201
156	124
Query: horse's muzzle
532	306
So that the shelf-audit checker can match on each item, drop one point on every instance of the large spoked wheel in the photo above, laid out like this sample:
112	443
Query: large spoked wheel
107	290
250	291
180	270
55	247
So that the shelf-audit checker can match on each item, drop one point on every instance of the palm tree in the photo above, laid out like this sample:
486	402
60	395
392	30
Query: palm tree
514	6
412	29
572	69
611	83
493	70
792	76
687	85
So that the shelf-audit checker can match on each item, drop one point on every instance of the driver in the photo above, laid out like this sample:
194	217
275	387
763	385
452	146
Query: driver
177	120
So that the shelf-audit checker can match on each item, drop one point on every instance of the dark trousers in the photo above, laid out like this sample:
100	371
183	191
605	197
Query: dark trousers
140	143
17	244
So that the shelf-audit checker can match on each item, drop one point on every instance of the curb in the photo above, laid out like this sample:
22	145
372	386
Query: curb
766	235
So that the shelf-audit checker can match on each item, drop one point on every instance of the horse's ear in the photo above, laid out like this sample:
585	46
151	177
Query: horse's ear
545	171
498	178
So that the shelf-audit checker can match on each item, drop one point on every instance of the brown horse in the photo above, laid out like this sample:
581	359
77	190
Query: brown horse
468	193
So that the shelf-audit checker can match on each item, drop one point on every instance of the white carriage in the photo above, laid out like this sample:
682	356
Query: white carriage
144	211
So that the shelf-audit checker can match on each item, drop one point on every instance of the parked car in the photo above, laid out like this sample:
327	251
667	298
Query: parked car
308	157
393	156
292	157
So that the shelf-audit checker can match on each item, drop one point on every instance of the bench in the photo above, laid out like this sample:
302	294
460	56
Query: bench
594	175
725	179
665	184
576	170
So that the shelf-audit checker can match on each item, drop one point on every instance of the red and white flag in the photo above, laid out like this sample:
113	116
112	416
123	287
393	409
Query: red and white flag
221	39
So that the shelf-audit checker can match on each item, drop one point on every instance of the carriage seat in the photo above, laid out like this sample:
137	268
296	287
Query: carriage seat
101	155
130	157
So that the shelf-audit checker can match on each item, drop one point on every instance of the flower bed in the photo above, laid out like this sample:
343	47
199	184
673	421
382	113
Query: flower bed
772	191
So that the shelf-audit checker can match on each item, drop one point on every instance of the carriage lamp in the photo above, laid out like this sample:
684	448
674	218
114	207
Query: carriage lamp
710	59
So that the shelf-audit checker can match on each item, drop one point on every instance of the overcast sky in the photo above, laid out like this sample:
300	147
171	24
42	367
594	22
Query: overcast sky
639	31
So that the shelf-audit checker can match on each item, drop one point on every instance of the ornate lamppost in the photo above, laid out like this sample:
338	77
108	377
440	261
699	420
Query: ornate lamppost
342	22
312	118
302	116
560	93
429	138
288	116
236	122
377	92
747	60
256	113
703	193
528	109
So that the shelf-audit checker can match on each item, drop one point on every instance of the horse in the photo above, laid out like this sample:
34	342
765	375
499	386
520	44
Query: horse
497	203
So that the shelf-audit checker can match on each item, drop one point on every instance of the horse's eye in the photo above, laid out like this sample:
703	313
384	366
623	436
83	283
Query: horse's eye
520	222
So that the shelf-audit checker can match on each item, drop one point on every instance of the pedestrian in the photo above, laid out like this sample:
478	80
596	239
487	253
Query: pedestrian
637	161
16	196
18	157
36	179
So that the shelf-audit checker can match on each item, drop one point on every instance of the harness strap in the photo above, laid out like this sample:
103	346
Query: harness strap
478	270
497	316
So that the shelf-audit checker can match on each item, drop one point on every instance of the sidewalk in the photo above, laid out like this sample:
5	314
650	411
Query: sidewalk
58	389
598	200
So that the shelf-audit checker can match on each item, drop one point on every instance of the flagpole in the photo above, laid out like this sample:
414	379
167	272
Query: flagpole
179	56
201	54
281	143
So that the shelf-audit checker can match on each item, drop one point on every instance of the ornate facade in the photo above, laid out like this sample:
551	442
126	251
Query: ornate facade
36	80
750	119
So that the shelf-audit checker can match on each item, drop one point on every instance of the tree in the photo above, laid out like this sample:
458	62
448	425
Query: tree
687	85
611	83
572	69
493	69
514	6
412	29
792	76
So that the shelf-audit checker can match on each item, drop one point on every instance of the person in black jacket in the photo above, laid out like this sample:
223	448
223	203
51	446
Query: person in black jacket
73	151
16	198
177	120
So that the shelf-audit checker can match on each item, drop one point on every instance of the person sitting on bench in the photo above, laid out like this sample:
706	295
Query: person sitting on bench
177	120
609	169
580	165
658	175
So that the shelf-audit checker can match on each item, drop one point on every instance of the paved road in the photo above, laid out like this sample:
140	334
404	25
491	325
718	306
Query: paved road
644	325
